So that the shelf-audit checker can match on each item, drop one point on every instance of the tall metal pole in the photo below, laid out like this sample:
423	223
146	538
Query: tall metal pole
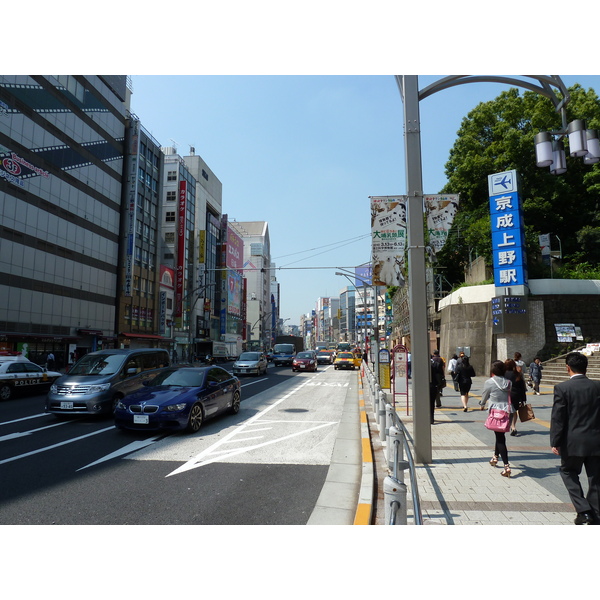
417	290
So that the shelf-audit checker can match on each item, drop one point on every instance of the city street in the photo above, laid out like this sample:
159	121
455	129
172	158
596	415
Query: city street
265	465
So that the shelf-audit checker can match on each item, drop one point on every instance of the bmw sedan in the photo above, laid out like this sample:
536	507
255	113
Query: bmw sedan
180	398
253	363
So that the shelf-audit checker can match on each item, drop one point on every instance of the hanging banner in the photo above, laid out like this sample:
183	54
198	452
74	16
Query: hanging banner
440	210
388	239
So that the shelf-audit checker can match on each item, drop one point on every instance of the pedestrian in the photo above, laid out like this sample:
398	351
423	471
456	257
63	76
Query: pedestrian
496	392
433	391
452	370
50	361
464	373
535	373
520	362
438	369
518	396
575	437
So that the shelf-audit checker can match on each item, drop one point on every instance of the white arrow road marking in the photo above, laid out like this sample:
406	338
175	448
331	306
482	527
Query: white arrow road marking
81	437
13	436
199	459
194	463
125	450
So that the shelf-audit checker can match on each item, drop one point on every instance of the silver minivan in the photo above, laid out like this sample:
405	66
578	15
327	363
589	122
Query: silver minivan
98	380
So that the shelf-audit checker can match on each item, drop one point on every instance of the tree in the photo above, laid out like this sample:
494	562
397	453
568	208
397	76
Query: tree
498	136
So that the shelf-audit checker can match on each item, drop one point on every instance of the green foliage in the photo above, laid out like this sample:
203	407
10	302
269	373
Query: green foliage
498	136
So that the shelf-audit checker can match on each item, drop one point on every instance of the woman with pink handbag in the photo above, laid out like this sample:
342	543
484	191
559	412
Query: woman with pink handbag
496	391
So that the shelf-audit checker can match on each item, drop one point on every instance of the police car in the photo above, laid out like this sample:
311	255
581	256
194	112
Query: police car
19	373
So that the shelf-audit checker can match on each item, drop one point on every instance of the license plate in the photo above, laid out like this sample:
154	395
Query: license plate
141	419
303	366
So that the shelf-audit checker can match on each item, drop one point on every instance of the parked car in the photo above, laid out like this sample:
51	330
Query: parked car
305	361
180	398
357	359
325	357
344	360
251	363
17	373
98	380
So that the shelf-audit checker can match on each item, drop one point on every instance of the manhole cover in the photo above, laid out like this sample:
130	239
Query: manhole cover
294	410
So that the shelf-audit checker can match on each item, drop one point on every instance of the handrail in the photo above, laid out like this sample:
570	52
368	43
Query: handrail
395	505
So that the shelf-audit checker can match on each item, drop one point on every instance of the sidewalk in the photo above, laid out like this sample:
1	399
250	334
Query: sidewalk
459	487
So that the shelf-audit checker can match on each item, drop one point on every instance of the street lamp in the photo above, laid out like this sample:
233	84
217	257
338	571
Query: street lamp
408	86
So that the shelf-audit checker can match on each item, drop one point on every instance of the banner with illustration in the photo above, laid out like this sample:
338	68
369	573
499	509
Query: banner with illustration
441	210
388	239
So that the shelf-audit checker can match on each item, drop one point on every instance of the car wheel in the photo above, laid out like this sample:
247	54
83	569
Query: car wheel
5	391
235	404
195	419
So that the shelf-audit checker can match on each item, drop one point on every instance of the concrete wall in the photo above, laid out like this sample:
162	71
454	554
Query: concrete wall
466	321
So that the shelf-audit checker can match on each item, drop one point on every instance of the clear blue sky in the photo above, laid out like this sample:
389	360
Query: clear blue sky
305	153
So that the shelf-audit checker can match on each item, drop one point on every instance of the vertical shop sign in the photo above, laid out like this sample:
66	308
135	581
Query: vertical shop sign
179	274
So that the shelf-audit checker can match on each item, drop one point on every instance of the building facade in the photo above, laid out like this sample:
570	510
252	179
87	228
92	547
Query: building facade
61	189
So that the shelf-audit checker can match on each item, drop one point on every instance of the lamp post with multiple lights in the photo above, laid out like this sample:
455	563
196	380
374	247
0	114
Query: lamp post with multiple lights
549	152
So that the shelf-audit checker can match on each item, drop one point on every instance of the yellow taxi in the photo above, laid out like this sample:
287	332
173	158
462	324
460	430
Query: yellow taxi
344	360
357	359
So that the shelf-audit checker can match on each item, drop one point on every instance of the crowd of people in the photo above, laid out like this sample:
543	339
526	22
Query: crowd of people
574	425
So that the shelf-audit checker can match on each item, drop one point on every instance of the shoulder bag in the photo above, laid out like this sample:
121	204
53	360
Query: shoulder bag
526	413
497	419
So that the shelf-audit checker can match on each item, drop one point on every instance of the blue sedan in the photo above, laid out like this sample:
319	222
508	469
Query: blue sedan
180	398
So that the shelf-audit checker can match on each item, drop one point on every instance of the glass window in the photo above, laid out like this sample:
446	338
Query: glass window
170	216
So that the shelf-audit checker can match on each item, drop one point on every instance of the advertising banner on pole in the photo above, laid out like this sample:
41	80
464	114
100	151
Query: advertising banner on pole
388	239
441	210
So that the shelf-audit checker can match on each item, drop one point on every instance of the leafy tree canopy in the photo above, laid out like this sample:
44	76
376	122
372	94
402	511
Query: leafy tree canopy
498	136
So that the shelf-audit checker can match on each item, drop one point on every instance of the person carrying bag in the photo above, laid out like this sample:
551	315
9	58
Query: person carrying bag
496	392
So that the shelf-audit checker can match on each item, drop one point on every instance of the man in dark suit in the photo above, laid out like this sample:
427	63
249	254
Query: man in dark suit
575	436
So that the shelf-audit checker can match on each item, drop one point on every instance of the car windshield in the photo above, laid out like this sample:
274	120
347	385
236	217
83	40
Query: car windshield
249	356
179	377
345	355
304	355
98	364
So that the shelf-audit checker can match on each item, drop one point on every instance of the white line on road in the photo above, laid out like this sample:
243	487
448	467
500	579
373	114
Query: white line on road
13	436
81	437
125	450
24	419
199	459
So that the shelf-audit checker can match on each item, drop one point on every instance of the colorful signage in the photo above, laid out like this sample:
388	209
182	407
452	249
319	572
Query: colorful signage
508	231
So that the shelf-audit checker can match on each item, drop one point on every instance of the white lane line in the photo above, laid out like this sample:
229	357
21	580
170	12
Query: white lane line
24	419
13	436
81	437
197	460
255	381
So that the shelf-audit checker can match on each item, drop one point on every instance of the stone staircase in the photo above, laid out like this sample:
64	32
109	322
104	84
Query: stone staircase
555	370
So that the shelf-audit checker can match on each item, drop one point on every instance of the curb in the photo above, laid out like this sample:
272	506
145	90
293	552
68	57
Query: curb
364	509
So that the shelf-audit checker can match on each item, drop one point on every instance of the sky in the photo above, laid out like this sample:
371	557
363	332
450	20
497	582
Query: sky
294	106
304	153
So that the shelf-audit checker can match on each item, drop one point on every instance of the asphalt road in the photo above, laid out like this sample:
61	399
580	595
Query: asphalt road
265	465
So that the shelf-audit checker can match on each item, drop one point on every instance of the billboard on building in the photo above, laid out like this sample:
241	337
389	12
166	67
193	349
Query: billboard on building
235	250
234	293
180	270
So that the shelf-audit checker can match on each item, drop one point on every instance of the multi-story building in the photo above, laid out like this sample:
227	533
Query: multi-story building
257	272
142	306
61	191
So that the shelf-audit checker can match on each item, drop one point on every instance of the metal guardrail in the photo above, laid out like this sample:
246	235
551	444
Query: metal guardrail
390	425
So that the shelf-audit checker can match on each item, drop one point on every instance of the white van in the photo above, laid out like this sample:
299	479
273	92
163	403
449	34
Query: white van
98	380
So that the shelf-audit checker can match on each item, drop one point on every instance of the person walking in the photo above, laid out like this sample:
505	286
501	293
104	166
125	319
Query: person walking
464	373
535	372
50	361
496	392
518	395
452	370
438	368
520	362
575	437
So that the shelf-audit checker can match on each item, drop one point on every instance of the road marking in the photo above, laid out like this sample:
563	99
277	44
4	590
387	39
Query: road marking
255	381
125	450
24	419
14	436
199	460
81	437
